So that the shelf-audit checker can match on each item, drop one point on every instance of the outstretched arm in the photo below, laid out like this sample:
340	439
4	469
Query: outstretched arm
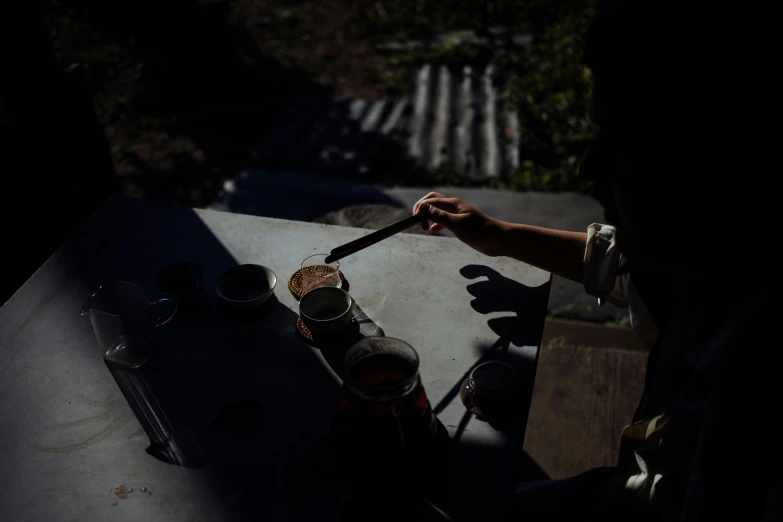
556	251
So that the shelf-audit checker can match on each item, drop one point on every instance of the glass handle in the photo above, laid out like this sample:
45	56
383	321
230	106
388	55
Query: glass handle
171	309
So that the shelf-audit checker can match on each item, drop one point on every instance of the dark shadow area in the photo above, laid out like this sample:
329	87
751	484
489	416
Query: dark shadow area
464	502
48	135
383	508
289	194
528	469
470	459
236	391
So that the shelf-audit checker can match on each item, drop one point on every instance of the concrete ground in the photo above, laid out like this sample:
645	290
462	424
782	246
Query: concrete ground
309	197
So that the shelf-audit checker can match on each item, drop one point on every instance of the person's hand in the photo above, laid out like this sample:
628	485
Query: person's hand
471	226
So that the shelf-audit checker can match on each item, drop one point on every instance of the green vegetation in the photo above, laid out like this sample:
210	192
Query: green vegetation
547	85
581	310
560	340
572	310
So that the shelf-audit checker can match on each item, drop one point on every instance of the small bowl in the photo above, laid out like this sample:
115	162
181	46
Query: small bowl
182	280
326	310
246	286
490	389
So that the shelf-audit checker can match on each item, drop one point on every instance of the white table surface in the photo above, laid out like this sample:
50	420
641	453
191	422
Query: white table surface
69	435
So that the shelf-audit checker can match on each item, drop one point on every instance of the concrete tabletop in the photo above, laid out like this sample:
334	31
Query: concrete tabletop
73	429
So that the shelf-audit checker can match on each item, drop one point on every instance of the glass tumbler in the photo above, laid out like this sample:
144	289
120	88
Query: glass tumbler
316	272
123	318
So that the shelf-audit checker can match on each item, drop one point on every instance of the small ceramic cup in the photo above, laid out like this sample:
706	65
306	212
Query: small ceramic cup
326	310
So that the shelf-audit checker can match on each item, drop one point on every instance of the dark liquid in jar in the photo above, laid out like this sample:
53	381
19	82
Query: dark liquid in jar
386	433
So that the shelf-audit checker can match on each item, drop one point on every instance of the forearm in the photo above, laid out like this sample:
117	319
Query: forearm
556	251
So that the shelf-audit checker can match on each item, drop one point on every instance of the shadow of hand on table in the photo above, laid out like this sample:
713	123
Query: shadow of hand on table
498	293
501	294
528	304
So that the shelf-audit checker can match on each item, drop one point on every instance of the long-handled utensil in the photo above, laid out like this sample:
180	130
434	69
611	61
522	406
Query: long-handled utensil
370	239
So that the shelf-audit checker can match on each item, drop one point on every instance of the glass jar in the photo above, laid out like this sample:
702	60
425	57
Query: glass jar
385	424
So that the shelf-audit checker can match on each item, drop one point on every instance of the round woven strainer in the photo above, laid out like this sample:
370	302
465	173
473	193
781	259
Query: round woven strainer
295	283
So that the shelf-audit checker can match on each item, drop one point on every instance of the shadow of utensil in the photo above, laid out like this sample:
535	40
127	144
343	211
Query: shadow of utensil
499	346
334	350
367	326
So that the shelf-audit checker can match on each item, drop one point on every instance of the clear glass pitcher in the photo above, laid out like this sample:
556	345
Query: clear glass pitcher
123	316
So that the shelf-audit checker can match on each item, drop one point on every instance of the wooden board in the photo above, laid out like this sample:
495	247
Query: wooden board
583	398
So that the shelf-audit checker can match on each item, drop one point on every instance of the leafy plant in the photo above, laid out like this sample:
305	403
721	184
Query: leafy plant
546	83
551	94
